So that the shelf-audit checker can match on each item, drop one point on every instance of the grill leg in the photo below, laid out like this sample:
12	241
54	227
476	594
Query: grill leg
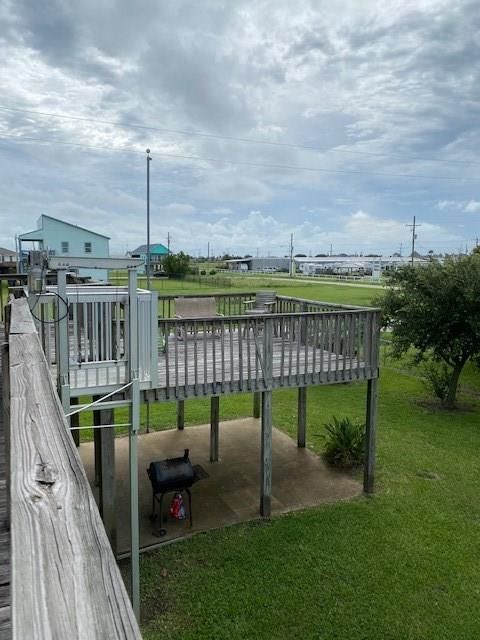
161	511
189	494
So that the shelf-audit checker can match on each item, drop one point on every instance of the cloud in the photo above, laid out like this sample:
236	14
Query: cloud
472	206
368	88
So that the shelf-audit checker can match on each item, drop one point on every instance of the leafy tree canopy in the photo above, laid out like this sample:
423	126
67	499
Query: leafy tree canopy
436	309
176	265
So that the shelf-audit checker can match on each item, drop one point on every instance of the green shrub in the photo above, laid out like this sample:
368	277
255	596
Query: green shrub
212	272
344	442
437	379
203	272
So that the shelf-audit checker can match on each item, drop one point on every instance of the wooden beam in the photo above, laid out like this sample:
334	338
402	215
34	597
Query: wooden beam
256	404
302	417
266	456
105	458
214	427
60	552
370	436
75	422
181	414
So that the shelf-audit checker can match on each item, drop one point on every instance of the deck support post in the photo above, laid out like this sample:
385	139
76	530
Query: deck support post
181	415
134	415
302	417
266	446
256	404
370	436
75	422
266	456
214	427
104	442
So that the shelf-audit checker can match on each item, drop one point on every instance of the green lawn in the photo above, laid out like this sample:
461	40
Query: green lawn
402	565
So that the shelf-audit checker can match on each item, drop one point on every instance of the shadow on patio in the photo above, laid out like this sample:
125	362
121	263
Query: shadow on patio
231	493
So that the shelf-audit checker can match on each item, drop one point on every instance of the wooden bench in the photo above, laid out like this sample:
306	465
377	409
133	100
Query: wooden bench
194	308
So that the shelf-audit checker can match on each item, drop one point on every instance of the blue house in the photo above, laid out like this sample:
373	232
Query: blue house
62	238
157	253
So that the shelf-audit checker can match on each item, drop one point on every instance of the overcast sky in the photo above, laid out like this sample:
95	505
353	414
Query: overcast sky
385	95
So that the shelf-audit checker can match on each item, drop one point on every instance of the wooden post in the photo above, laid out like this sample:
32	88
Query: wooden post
105	459
214	427
181	414
256	404
302	417
266	456
370	433
75	422
266	446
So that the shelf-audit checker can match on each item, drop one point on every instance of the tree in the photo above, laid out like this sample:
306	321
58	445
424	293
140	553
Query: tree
436	310
176	265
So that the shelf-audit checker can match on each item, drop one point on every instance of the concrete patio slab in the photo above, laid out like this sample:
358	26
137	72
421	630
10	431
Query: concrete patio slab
231	493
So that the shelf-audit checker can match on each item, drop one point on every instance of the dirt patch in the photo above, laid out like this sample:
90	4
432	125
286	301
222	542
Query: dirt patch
437	407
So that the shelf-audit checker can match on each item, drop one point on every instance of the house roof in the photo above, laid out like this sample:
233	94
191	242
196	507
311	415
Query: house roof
158	249
34	235
7	252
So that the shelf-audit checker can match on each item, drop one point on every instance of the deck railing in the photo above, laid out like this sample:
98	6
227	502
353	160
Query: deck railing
232	354
231	304
98	333
65	581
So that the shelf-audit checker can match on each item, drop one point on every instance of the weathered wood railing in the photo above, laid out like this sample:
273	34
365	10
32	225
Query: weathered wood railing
233	304
65	581
232	354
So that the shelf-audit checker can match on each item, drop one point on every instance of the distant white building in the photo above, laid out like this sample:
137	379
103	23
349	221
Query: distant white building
62	238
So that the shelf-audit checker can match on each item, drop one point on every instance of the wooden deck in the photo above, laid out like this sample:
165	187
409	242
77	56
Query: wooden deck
213	357
5	626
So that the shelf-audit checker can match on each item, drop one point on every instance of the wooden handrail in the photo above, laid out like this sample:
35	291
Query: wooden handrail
65	580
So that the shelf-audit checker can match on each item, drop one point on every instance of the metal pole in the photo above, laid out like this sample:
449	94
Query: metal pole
133	443
149	159
413	239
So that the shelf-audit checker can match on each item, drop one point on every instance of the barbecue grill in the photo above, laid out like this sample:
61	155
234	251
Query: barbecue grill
172	475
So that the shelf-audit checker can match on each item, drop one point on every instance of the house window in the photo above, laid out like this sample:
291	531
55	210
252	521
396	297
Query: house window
64	247
51	252
88	247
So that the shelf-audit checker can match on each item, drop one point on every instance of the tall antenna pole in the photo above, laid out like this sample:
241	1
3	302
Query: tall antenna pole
414	236
291	255
147	265
168	242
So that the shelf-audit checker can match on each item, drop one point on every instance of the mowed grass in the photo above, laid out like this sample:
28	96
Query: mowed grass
403	564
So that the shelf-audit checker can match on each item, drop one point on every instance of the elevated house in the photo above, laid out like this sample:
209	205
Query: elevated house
8	260
157	254
61	238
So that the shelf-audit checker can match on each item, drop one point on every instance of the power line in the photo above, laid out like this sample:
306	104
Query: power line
257	165
217	136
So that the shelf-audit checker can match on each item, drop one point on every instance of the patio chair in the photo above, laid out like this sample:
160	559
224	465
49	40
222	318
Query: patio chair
264	302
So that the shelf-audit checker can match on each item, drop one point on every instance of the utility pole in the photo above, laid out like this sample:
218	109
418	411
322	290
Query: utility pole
331	249
168	242
414	235
208	251
401	249
149	159
291	255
